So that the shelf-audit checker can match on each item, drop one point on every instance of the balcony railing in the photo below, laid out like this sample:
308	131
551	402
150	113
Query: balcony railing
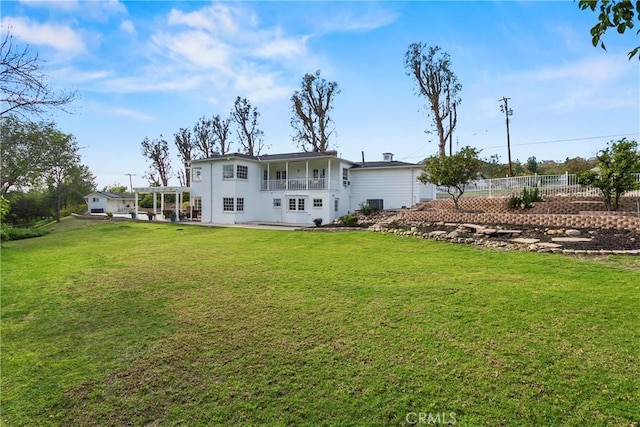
295	184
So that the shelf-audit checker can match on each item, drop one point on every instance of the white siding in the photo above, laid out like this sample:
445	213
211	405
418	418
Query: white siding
397	187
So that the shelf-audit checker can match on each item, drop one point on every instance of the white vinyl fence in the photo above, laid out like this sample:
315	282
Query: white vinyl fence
549	185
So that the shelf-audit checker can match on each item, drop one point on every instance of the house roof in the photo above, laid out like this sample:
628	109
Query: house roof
272	157
383	164
110	195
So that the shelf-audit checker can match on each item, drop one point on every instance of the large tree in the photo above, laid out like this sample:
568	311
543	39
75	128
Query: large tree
617	166
204	137
453	172
222	132
431	69
157	152
310	107
22	148
249	135
23	87
185	146
621	15
61	161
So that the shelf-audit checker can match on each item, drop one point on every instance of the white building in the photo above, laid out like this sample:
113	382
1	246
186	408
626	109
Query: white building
297	188
103	202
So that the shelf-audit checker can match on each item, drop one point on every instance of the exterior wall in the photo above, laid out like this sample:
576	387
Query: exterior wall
397	187
105	204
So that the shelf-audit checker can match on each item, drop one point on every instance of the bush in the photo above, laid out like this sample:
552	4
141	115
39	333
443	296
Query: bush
14	233
349	220
110	214
526	199
367	210
77	209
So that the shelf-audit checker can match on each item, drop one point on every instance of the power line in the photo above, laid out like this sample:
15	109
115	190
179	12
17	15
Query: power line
568	140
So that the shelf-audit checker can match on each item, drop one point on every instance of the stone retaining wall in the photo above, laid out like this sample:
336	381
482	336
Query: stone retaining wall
549	220
567	205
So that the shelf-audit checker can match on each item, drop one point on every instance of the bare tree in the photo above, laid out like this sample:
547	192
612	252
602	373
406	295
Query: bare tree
431	69
23	86
157	151
221	131
246	117
204	138
310	107
185	146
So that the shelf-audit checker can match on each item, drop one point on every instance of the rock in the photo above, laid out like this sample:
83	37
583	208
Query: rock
551	232
454	234
525	241
570	239
437	233
572	232
548	245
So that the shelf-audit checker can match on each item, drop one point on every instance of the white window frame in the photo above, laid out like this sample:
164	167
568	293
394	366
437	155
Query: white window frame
277	203
228	202
242	172
226	169
239	204
196	174
317	203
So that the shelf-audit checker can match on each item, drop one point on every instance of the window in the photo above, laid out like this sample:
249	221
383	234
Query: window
242	172
375	203
95	199
336	204
296	204
318	173
281	174
317	203
345	176
240	204
196	174
277	203
227	171
227	204
265	175
197	203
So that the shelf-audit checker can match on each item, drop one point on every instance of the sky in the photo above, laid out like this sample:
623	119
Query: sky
148	68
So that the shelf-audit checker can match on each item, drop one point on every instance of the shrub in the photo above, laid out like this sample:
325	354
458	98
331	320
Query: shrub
526	199
15	233
349	220
78	209
110	214
366	209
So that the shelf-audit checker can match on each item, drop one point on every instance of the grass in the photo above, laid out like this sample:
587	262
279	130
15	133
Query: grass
145	323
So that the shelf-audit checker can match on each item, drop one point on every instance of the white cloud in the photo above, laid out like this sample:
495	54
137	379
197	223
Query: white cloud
217	18
196	47
357	20
128	27
132	114
61	37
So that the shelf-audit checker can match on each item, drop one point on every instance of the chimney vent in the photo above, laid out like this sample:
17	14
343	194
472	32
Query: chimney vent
387	157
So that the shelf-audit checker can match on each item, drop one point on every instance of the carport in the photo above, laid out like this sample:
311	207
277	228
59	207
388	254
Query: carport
177	191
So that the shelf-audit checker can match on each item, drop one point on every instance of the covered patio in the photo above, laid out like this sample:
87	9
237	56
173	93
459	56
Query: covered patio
179	193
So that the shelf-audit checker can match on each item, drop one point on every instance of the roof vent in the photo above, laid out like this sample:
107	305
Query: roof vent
387	157
331	153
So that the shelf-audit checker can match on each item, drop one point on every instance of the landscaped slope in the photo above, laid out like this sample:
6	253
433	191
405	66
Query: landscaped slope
135	323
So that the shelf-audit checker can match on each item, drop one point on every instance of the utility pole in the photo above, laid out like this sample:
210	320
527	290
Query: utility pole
507	112
130	181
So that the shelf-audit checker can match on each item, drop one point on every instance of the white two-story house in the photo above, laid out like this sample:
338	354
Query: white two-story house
296	188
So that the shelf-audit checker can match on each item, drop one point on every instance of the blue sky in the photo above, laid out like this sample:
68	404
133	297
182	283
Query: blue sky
148	68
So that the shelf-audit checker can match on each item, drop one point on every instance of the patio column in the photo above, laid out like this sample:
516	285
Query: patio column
268	177
306	175
135	193
328	183
286	173
155	204
162	203
177	205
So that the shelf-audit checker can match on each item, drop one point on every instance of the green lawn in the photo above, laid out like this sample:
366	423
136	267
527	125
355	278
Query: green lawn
122	323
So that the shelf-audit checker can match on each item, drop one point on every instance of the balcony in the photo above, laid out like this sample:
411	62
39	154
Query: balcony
295	184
